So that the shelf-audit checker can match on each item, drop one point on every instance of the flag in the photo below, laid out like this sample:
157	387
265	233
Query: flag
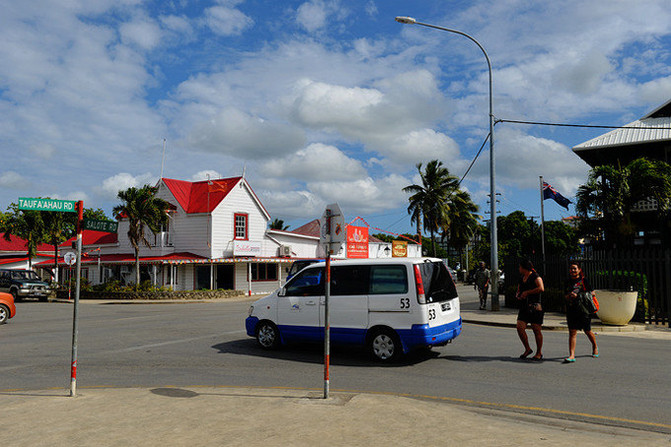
550	193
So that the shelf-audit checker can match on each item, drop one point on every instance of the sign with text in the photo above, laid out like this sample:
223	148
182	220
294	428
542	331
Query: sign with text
357	242
399	249
332	225
30	204
246	248
107	226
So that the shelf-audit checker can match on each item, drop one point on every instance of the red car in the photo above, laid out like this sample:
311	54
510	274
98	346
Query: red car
7	308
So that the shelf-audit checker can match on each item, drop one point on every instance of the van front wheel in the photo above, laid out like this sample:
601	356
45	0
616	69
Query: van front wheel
267	335
384	346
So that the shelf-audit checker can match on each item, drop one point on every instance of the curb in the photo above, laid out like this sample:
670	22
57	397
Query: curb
562	328
111	302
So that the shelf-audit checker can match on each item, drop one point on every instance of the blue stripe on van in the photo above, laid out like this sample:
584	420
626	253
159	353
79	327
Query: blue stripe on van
420	335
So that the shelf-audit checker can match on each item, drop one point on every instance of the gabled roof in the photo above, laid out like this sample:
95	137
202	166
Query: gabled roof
16	244
205	196
312	229
641	131
90	237
193	197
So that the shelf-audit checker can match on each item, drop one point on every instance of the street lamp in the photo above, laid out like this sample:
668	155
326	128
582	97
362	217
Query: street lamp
492	170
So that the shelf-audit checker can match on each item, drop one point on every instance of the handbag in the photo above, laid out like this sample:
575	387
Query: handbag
588	302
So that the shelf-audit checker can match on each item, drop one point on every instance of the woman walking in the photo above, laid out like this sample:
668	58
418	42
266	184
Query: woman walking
577	316
531	312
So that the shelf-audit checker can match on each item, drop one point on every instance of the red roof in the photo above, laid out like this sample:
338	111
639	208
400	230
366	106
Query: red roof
312	229
14	259
129	258
309	229
90	237
194	197
19	245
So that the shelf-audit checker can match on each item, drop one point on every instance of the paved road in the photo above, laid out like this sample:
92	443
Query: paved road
205	344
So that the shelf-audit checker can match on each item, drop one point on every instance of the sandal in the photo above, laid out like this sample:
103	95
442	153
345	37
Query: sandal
567	360
527	353
537	359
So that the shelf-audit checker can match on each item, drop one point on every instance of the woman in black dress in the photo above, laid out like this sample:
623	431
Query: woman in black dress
577	317
531	312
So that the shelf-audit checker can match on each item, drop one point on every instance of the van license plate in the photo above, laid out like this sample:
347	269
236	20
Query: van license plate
446	306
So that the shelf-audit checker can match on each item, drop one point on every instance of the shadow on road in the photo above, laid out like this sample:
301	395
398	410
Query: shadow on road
501	358
313	353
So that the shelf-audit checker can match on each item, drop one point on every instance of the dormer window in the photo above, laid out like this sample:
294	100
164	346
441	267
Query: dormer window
241	226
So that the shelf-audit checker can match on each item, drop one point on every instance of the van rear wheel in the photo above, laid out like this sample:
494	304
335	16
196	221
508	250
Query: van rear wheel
384	346
267	335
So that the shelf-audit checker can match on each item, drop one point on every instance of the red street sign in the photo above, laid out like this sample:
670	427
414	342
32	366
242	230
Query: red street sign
357	242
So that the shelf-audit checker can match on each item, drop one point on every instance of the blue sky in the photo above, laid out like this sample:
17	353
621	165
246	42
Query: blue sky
320	100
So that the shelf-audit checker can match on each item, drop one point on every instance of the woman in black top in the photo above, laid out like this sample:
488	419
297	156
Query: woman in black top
531	312
577	317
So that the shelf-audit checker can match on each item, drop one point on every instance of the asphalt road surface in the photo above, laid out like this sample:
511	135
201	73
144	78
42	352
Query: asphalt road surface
205	344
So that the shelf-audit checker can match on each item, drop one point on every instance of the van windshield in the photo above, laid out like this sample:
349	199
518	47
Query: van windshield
438	284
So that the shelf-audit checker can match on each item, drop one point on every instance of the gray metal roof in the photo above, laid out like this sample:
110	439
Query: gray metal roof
640	131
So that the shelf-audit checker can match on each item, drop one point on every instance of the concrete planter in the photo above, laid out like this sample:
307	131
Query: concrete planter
616	307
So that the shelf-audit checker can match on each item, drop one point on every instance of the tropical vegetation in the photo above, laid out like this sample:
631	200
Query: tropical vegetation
439	206
278	224
144	211
608	202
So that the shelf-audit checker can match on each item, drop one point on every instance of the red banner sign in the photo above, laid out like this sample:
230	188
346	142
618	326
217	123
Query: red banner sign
357	242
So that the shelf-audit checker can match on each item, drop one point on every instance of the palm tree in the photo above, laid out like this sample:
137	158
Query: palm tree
429	202
27	225
462	220
144	211
278	224
606	200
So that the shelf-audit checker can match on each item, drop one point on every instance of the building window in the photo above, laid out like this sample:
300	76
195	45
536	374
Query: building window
264	272
241	226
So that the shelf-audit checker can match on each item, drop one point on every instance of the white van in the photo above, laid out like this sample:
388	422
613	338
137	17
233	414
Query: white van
390	306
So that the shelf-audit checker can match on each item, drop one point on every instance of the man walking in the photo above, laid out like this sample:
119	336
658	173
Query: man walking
482	276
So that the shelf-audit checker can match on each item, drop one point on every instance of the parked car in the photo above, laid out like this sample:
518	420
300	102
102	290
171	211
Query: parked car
7	308
297	266
23	284
388	306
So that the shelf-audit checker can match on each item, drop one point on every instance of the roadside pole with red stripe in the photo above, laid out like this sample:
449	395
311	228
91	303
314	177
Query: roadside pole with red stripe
75	311
327	324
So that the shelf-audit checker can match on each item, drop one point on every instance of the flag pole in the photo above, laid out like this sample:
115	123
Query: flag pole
542	223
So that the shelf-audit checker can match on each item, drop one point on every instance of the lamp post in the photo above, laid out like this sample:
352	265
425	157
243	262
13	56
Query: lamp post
492	170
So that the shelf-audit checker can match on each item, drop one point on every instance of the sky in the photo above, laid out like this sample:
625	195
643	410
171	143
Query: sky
317	101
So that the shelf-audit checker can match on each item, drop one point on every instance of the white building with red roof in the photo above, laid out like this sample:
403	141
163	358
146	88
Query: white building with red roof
14	253
217	237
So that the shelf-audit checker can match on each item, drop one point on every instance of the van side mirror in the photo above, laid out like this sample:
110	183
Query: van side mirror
282	292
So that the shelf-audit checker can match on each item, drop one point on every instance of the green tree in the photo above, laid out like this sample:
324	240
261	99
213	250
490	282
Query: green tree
144	211
429	201
278	224
605	202
462	221
27	225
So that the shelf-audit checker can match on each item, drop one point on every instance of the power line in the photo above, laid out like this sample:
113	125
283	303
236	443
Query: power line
474	159
592	126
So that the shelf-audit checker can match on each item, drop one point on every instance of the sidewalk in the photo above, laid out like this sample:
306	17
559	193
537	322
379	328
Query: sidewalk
553	321
203	416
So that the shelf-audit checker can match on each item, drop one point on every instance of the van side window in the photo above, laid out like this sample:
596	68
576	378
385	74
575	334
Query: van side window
350	280
307	283
388	279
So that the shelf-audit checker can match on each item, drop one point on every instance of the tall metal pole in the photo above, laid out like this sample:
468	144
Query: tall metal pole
327	316
542	223
75	312
492	164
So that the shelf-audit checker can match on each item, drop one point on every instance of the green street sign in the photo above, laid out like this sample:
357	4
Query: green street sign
64	206
108	226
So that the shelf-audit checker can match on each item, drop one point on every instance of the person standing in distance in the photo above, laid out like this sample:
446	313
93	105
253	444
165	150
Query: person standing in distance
482	277
531	312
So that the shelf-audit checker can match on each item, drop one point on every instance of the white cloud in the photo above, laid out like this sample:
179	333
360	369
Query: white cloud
44	151
363	196
119	182
241	135
312	15
294	204
317	161
144	33
205	175
227	21
12	180
522	158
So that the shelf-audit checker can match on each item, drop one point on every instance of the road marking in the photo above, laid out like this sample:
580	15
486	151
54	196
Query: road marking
167	343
